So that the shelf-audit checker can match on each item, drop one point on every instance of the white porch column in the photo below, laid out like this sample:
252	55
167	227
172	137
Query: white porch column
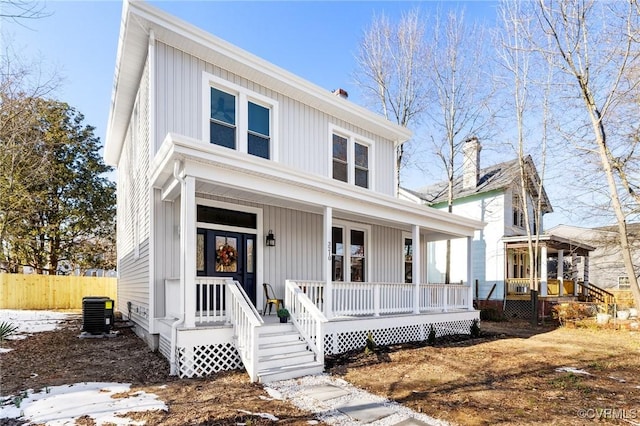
470	282
543	271
416	261
560	272
585	272
574	273
188	248
328	282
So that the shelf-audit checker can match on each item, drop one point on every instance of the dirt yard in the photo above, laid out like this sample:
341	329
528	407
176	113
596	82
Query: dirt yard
60	357
508	376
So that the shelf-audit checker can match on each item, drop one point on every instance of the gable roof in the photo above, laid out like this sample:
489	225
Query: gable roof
142	25
497	177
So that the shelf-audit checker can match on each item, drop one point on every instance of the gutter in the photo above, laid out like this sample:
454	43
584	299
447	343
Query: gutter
178	173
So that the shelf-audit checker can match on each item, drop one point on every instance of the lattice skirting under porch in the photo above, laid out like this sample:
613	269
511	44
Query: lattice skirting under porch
343	341
518	309
203	360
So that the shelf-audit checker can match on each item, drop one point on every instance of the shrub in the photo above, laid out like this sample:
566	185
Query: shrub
370	345
571	311
431	338
475	329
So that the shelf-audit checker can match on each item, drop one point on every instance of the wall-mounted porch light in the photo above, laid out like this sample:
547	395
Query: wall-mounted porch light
271	239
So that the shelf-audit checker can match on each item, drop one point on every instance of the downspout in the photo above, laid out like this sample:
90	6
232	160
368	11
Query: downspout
178	174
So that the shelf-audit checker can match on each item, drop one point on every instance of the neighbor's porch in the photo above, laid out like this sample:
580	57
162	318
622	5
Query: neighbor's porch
561	268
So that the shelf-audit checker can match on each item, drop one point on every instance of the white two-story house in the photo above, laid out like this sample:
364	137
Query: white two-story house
501	262
233	172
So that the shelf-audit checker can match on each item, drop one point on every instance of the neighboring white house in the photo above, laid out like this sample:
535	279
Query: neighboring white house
232	173
500	252
606	267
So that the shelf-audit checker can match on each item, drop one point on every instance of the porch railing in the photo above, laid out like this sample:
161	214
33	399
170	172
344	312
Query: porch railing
362	299
245	320
522	286
306	317
210	299
442	297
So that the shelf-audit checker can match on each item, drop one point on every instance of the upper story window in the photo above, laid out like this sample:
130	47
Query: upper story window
518	211
340	164
239	118
351	158
624	283
222	126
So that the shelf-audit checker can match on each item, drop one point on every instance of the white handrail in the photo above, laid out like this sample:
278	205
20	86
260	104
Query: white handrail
245	321
306	317
210	299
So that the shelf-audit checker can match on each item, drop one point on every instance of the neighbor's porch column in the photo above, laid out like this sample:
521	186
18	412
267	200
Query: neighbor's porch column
326	263
560	273
470	271
543	270
188	248
415	268
585	272
574	273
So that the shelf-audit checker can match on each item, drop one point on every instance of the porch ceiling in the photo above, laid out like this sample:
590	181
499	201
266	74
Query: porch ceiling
553	243
236	176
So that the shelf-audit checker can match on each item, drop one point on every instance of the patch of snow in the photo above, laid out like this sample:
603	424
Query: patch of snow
32	321
273	393
573	370
618	379
61	405
5	350
262	415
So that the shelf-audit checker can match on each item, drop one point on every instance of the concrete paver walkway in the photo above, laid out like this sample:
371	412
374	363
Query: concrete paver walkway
337	402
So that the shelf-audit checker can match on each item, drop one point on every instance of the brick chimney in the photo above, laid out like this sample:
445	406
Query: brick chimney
471	163
341	92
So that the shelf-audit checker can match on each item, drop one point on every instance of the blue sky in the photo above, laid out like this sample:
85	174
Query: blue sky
316	40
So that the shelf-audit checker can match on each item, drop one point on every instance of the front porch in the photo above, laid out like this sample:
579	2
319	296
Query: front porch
230	333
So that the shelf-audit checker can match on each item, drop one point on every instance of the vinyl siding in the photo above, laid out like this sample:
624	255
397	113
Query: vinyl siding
298	252
134	213
304	139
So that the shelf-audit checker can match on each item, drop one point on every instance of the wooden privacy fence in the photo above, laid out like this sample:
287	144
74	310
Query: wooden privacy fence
20	291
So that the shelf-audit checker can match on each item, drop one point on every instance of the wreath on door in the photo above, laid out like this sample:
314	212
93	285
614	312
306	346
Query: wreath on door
226	255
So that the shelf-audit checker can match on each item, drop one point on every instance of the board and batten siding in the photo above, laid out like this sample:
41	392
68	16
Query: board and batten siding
304	139
134	212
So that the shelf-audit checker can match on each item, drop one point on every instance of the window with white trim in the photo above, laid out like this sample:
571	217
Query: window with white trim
351	158
239	119
349	250
624	283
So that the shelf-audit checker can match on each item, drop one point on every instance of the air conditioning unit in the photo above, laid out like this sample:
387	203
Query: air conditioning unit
97	315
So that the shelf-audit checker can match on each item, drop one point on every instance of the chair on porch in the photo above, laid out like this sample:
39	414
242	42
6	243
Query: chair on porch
271	299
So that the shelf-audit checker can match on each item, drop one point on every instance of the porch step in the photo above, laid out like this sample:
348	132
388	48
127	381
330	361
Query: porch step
283	354
285	359
290	372
278	337
280	347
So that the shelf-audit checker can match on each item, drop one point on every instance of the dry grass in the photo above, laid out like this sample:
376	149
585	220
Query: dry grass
506	377
511	378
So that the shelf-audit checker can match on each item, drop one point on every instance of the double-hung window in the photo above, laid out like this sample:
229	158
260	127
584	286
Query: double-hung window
239	118
349	252
222	123
351	158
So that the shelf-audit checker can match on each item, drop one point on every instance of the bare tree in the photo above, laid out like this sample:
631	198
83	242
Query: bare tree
391	69
596	47
22	9
462	93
